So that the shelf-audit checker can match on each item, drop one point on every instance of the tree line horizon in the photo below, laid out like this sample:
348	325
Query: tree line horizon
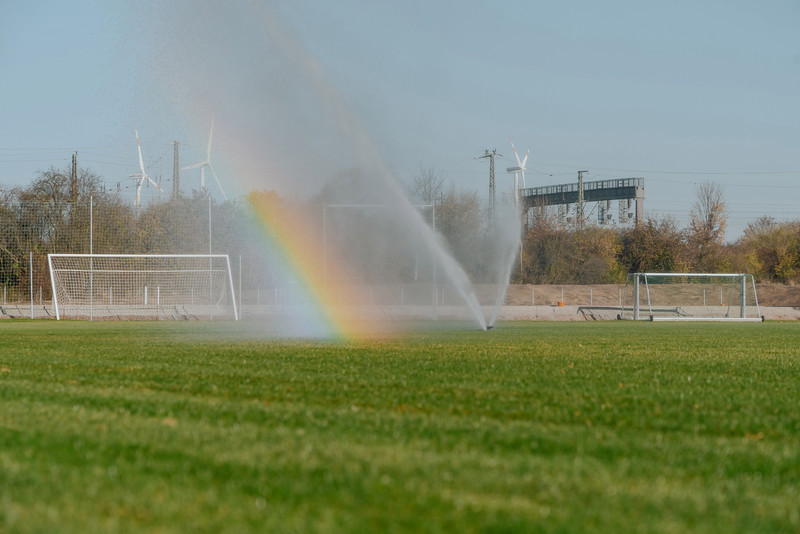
51	215
556	253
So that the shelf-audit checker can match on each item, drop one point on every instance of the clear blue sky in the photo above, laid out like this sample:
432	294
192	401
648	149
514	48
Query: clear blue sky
676	92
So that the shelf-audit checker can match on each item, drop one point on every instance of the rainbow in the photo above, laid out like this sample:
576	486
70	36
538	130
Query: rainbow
321	275
292	240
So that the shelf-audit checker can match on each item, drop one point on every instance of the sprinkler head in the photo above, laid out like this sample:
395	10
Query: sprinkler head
489	327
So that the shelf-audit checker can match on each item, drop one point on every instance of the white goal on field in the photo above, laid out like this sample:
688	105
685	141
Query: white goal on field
690	297
142	286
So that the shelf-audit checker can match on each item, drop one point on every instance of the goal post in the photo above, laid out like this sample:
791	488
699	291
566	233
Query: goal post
690	297
142	286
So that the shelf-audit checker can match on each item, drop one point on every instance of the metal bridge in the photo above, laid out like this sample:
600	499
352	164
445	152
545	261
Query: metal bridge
629	192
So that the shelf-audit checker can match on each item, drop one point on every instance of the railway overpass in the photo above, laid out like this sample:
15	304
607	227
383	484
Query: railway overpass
628	191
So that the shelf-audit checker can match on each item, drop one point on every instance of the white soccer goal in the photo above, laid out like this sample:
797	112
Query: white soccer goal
142	286
690	297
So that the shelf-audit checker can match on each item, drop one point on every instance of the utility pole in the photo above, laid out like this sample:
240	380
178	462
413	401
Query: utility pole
73	179
579	207
176	173
491	155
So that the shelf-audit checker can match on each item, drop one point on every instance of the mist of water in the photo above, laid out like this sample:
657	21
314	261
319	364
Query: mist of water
450	268
283	125
506	249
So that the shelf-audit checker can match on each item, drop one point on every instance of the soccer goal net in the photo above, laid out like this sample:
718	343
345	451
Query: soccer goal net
690	297
133	286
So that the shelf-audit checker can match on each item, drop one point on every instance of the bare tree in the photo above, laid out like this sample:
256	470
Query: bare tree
708	217
707	224
428	186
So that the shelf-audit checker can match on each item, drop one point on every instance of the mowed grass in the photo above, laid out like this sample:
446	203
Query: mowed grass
530	427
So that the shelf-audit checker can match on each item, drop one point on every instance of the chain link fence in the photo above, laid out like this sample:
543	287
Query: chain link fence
389	264
30	229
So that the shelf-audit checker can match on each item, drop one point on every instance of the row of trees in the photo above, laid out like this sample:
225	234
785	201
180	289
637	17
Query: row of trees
54	214
555	253
768	249
71	212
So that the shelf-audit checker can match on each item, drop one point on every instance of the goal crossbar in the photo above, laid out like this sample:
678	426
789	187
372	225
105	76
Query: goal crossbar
142	285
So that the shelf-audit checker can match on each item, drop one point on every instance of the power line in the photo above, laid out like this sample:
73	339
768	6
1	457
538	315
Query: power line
652	171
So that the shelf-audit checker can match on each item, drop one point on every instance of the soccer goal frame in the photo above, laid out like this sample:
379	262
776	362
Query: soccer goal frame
142	286
688	297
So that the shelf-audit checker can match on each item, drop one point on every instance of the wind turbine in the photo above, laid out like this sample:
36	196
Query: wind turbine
517	171
140	177
207	163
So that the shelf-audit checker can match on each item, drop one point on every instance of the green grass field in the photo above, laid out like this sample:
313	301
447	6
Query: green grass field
530	427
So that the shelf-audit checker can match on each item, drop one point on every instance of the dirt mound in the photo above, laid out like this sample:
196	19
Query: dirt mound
778	295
